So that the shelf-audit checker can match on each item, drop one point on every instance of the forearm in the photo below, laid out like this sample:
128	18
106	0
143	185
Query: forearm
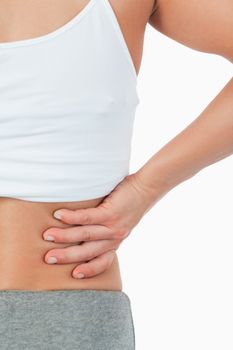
208	139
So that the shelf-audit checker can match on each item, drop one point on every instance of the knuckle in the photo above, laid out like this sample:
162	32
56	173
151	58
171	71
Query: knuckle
112	244
115	215
86	218
122	233
112	254
116	244
86	235
108	264
109	212
109	258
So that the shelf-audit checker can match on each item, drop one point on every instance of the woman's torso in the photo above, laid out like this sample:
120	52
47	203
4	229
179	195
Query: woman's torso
22	222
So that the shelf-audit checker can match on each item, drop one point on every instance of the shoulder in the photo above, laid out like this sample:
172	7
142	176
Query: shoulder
199	24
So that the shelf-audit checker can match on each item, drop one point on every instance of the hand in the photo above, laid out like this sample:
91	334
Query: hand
100	230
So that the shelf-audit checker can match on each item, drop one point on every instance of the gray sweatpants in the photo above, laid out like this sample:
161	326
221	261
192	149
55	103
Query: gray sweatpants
66	320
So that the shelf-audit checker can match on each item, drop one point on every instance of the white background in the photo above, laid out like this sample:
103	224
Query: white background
177	263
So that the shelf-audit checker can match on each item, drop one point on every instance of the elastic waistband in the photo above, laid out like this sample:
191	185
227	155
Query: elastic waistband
60	293
66	319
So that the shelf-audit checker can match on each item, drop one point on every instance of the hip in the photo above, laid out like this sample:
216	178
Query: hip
22	249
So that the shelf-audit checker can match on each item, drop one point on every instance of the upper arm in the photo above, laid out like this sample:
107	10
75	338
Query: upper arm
202	25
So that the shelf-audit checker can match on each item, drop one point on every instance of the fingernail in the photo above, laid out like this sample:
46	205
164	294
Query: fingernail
79	275
57	214
51	260
49	238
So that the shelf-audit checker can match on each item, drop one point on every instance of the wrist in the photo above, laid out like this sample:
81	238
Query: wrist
153	178
150	194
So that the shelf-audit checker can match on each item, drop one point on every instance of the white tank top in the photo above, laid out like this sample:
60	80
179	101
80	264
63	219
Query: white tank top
67	107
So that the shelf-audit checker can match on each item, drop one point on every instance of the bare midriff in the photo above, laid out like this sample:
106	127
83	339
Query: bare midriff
22	249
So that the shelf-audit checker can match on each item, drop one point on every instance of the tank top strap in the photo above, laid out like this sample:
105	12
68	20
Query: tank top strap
116	25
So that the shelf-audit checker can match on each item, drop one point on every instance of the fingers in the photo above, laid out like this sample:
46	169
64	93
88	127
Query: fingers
95	266
82	216
78	234
80	253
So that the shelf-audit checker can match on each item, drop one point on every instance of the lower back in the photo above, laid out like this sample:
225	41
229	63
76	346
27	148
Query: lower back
22	249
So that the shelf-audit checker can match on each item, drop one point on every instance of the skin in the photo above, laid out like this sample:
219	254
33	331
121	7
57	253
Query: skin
23	223
88	233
